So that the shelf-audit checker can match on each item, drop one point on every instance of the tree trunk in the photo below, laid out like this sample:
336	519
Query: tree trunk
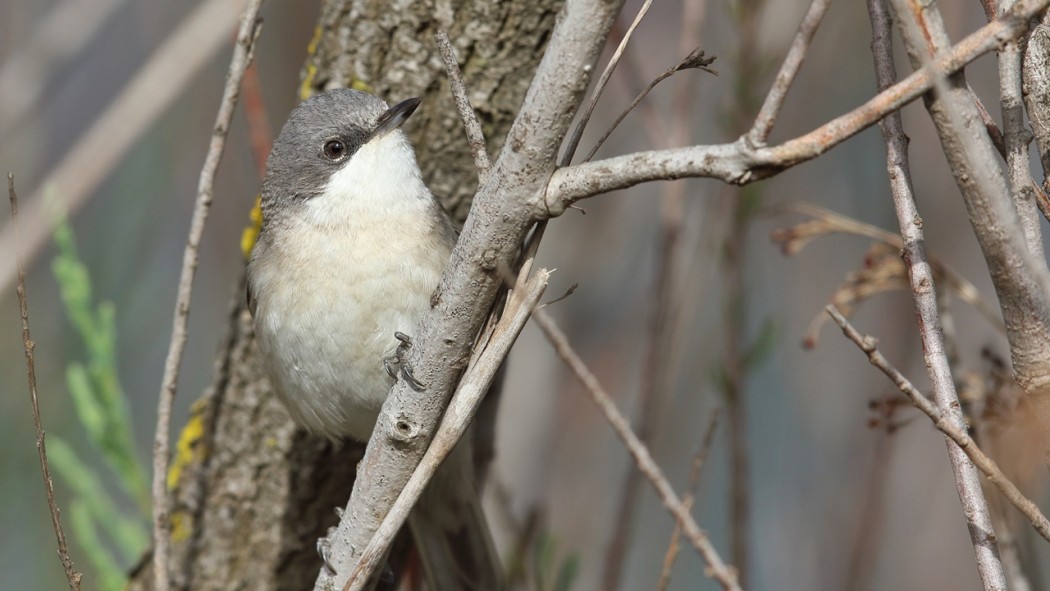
252	492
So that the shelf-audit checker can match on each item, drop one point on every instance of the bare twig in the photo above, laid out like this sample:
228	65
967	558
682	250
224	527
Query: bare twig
72	576
577	132
767	115
717	569
89	161
920	276
454	424
475	137
690	496
946	425
695	60
738	163
247	34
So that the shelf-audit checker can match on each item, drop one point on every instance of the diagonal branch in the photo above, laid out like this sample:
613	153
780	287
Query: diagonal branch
242	55
72	576
947	425
504	210
738	163
454	423
717	569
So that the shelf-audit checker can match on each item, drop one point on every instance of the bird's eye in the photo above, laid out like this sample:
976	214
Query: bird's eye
334	150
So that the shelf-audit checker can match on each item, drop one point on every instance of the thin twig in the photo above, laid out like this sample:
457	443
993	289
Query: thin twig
475	137
690	496
717	569
247	34
695	60
947	425
453	425
767	115
72	576
577	132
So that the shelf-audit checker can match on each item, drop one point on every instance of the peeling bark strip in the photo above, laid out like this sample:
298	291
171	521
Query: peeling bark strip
251	493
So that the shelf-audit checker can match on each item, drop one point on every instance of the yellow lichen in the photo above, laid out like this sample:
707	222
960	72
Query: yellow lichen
251	233
186	450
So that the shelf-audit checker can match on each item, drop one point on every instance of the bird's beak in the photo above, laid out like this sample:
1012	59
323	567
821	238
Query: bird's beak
395	116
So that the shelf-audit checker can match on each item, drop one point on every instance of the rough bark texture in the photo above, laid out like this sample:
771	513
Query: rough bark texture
252	492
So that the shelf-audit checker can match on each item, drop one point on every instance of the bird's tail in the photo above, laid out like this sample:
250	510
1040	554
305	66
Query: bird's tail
450	531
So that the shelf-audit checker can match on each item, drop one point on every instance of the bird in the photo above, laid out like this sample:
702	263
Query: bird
351	249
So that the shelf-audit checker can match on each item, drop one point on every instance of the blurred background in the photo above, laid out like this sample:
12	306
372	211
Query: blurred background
832	500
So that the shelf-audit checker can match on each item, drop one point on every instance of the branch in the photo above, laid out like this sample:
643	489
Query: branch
1019	275
738	163
454	424
72	576
505	208
247	34
920	276
767	115
718	570
475	137
947	425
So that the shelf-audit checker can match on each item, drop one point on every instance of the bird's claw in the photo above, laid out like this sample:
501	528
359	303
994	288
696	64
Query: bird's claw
323	548
397	362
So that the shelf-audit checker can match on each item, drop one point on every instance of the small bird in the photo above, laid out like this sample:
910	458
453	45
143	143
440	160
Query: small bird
352	246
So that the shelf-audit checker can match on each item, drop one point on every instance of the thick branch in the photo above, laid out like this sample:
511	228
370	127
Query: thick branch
502	213
1019	275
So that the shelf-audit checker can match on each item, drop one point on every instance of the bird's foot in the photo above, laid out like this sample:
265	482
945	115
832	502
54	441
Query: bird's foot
397	362
324	547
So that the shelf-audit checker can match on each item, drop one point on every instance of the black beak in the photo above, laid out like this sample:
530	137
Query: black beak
395	116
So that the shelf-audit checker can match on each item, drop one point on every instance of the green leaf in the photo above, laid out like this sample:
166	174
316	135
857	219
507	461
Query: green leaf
129	534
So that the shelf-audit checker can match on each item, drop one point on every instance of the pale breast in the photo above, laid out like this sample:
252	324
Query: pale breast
327	309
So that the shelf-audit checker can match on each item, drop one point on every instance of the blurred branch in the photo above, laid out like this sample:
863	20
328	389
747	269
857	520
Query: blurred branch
72	576
767	115
690	496
243	52
655	390
948	426
724	574
61	34
738	163
156	84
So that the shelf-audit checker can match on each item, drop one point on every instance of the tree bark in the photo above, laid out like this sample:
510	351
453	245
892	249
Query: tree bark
252	493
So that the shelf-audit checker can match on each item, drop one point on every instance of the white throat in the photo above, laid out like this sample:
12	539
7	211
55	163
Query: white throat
380	180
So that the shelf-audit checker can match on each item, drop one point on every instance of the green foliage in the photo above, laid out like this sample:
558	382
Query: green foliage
102	410
550	573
